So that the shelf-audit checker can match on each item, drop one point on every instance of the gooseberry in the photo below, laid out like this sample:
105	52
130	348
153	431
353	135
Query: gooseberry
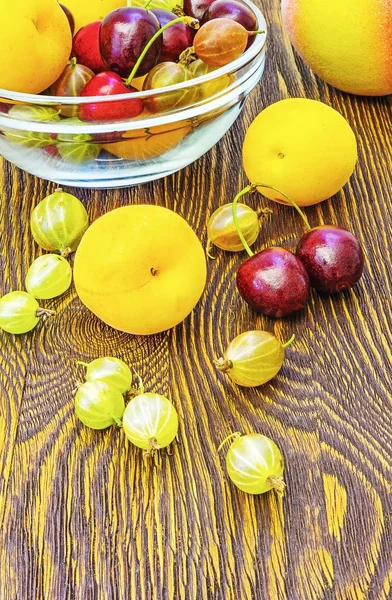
223	233
58	222
70	83
150	421
220	41
49	276
20	312
99	405
110	370
163	75
198	68
253	358
255	465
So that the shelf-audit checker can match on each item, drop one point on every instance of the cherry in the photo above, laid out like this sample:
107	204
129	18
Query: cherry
123	35
196	8
109	84
175	39
85	47
274	282
69	16
231	9
332	256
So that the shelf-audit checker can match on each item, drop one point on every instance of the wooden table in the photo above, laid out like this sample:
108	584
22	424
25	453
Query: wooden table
83	516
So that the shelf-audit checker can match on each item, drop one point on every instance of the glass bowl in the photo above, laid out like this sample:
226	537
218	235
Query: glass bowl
36	136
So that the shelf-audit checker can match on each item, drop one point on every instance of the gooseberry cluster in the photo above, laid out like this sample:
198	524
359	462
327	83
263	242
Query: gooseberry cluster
149	420
57	224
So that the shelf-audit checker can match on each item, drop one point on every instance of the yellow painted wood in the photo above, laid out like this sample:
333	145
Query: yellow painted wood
84	516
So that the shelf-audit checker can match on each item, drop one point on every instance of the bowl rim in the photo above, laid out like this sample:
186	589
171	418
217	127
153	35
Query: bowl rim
256	47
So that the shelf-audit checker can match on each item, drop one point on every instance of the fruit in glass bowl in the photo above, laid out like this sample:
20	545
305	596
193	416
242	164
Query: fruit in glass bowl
37	145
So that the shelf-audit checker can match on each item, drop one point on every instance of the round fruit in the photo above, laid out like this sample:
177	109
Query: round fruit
332	256
220	41
58	222
49	276
274	282
150	421
110	370
167	74
198	68
196	8
255	465
302	147
166	5
87	11
109	84
140	268
35	44
99	405
19	312
85	47
148	146
231	9
334	37
71	83
252	358
222	231
70	18
123	35
175	39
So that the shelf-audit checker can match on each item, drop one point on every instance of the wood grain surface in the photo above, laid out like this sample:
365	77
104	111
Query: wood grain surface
85	517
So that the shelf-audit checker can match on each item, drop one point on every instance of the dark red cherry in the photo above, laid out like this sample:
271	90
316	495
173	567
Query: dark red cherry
236	11
124	34
196	8
175	39
109	84
70	18
85	47
274	282
332	256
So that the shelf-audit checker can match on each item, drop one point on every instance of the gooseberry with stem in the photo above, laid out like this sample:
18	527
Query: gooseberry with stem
150	421
20	312
253	358
110	370
99	405
49	276
58	222
254	463
221	41
223	233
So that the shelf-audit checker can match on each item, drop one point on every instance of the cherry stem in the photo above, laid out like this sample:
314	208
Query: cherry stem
289	342
147	4
297	208
223	365
187	20
278	484
235	435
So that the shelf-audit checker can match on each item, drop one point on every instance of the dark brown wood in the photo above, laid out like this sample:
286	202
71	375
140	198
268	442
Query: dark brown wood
83	516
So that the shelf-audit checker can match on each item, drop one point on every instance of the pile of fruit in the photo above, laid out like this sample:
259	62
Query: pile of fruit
129	50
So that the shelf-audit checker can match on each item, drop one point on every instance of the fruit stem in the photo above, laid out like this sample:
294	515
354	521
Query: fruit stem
80	362
223	365
209	246
297	208
147	4
289	342
45	312
140	387
246	189
187	20
250	33
278	484
65	253
118	422
235	435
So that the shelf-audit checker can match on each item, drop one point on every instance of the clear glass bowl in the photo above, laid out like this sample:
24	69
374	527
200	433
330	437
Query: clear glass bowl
133	151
